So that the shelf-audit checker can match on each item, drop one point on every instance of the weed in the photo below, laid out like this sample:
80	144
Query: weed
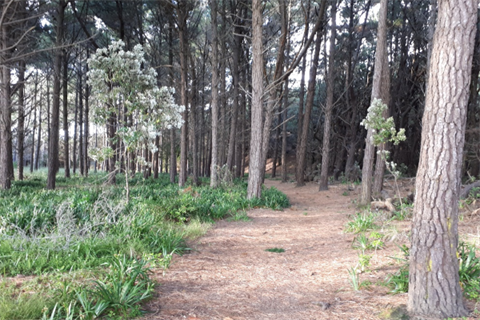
364	261
239	216
353	277
361	222
276	250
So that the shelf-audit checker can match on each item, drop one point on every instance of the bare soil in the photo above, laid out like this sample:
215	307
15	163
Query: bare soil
230	276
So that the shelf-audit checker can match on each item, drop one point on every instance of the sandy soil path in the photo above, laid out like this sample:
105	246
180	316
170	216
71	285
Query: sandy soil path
230	276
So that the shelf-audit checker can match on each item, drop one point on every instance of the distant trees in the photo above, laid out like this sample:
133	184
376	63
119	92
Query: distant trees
231	120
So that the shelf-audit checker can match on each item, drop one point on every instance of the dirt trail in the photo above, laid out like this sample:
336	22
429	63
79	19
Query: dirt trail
230	276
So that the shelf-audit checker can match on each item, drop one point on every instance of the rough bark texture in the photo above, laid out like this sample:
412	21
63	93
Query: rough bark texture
255	158
6	160
434	289
378	86
53	147
214	102
329	107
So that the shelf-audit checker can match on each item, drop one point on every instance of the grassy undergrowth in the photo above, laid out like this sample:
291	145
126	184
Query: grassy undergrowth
82	251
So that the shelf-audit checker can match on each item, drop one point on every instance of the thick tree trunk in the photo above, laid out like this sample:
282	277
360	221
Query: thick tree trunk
6	160
215	100
434	288
329	106
379	86
53	147
254	188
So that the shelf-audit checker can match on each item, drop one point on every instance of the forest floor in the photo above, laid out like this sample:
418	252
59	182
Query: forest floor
229	275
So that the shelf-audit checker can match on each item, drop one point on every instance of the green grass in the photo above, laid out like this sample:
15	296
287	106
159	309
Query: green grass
276	250
85	226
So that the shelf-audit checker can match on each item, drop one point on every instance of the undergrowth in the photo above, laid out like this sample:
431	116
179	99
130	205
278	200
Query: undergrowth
85	226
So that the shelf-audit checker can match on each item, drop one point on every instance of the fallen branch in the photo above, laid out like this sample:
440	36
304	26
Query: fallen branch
465	190
387	204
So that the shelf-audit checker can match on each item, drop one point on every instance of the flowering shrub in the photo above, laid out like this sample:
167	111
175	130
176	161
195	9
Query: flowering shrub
120	80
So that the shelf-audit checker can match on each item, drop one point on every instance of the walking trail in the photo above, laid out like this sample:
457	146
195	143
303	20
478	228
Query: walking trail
230	276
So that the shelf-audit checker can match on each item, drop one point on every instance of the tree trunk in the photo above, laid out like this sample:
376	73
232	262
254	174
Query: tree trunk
237	40
301	99
379	87
273	88
86	133
65	116
21	118
6	160
39	137
193	124
255	159
301	160
80	122
34	110
329	107
75	133
275	145
434	288
284	125
215	100
53	150
173	156
182	35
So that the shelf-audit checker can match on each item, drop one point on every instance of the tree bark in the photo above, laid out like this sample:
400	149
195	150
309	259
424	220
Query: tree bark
86	126
21	118
434	288
379	86
215	100
80	124
65	116
329	104
53	147
301	99
193	124
255	158
182	13
237	40
34	110
6	160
